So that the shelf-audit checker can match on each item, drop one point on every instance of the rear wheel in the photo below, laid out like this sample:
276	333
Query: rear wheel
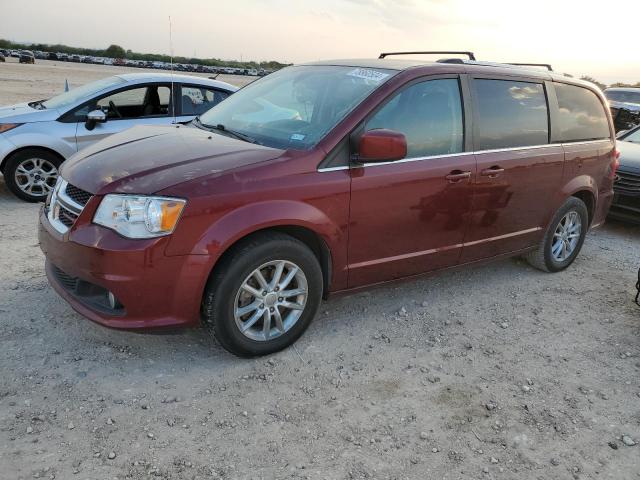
563	239
31	174
263	295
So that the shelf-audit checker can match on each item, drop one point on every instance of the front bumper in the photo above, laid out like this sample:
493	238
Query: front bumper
6	147
153	290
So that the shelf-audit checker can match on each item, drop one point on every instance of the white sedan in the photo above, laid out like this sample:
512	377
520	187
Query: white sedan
36	137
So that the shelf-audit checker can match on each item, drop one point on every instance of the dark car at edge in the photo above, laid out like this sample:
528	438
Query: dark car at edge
626	201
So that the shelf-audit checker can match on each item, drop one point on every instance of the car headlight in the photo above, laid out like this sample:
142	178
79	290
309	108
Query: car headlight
5	127
135	216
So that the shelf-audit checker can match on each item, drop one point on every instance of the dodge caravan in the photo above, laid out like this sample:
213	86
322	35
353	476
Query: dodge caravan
323	178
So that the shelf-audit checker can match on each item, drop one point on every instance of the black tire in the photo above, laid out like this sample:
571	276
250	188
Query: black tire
542	258
227	278
19	158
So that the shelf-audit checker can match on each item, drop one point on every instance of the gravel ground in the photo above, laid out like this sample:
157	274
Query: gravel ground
491	372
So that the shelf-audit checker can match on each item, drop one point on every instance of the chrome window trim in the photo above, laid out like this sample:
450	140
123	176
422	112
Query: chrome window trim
334	169
475	152
417	159
586	142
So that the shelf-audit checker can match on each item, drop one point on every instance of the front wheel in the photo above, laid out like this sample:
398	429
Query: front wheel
563	239
263	295
32	173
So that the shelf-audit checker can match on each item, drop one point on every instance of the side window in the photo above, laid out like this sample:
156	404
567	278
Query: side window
429	114
148	101
509	114
582	116
197	100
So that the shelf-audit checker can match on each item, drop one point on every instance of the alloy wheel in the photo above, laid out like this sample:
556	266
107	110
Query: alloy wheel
270	300
566	236
36	176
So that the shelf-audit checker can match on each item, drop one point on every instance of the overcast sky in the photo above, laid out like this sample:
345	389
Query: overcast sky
578	37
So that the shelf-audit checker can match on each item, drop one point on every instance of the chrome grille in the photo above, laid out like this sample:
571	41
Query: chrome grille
79	196
66	216
627	182
63	210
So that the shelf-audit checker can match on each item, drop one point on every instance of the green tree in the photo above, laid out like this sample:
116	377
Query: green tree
115	51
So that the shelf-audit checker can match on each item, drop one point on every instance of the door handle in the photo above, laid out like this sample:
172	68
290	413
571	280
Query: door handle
456	175
492	172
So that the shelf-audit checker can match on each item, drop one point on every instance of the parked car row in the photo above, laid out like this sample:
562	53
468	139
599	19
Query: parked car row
24	56
246	217
29	57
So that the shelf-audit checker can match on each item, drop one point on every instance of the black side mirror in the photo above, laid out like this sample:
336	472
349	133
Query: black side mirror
94	117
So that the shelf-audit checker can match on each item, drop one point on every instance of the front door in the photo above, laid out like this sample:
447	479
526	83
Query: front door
519	172
410	216
138	105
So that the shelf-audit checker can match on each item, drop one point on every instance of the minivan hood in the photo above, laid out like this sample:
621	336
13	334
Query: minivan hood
23	113
147	159
629	155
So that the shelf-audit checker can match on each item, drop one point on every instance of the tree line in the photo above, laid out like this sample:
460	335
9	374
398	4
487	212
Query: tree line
116	51
603	85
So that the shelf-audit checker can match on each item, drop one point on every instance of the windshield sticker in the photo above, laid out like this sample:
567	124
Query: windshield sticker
368	74
297	137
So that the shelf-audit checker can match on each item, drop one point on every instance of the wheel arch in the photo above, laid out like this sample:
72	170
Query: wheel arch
585	188
589	200
3	163
303	234
325	236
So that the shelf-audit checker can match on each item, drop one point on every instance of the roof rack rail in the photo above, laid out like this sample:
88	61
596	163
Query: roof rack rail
469	54
546	65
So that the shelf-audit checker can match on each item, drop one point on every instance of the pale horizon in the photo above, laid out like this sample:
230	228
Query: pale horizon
573	36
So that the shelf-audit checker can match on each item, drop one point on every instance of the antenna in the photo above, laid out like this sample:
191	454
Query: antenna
173	93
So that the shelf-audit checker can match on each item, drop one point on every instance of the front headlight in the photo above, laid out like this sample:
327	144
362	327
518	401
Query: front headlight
136	216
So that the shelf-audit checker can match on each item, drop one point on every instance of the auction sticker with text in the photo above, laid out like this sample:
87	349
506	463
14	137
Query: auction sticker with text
368	74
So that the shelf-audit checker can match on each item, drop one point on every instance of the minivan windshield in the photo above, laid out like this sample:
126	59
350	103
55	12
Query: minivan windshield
623	96
295	107
71	97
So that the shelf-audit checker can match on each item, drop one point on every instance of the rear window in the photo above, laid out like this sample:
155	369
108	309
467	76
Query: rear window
509	114
582	116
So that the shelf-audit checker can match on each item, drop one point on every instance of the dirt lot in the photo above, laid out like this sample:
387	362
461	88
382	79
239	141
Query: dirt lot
492	372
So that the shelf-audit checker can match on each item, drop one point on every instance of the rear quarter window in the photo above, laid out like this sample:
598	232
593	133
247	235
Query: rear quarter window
509	114
582	116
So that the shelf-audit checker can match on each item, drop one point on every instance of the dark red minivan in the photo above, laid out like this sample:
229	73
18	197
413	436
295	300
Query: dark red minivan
323	178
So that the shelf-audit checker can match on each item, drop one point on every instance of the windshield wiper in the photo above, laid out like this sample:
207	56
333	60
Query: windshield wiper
239	135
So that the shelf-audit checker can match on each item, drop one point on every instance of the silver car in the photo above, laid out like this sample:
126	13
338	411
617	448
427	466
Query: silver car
36	137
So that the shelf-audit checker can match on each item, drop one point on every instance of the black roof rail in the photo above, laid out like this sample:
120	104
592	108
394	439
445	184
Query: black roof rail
546	65
469	54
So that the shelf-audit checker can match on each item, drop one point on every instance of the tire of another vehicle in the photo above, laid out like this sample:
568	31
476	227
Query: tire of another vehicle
543	258
225	285
19	158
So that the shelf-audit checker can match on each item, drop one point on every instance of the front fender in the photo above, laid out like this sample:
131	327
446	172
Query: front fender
63	146
251	218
